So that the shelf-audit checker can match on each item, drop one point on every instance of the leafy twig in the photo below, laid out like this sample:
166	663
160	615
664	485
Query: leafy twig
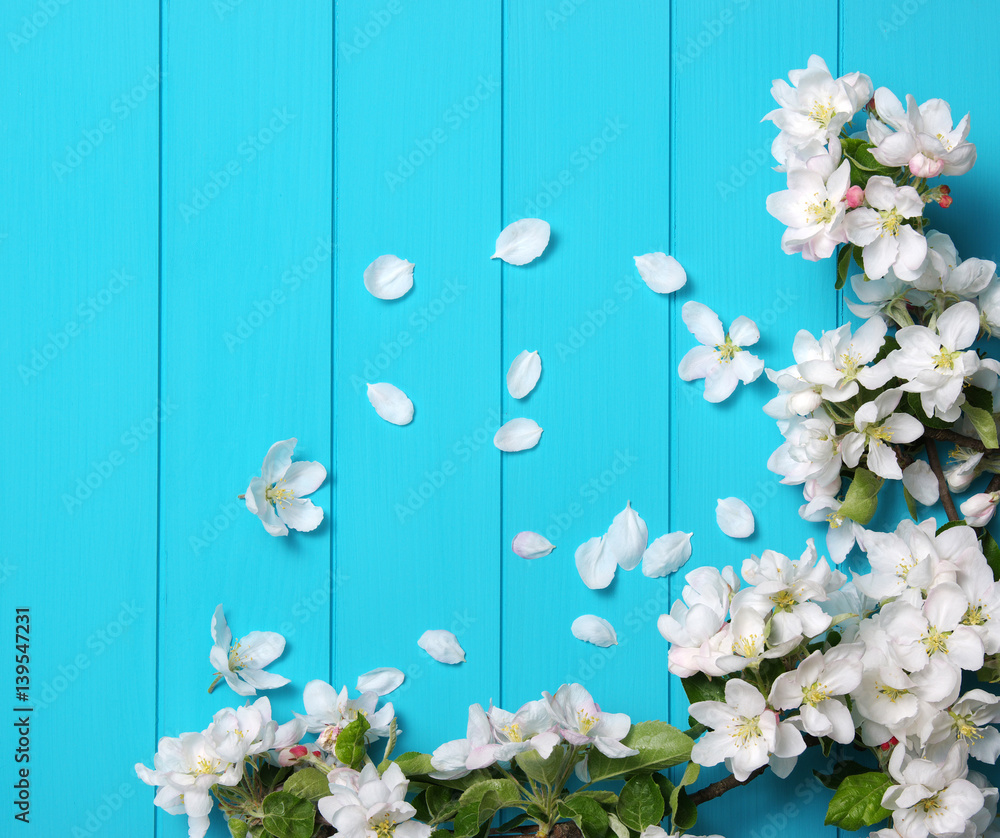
935	462
946	435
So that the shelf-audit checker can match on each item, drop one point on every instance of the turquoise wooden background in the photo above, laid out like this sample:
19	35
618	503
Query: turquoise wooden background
191	193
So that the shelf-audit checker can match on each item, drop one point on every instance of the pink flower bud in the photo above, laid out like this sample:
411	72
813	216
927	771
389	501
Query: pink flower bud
979	509
921	166
945	201
291	756
855	197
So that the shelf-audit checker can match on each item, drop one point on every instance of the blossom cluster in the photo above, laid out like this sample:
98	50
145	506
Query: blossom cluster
876	662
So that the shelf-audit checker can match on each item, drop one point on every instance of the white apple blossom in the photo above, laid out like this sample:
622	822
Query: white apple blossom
365	805
969	721
581	722
746	645
875	426
980	509
811	451
813	210
843	533
530	728
743	732
241	661
477	750
329	712
277	496
815	688
696	625
848	367
881	230
721	359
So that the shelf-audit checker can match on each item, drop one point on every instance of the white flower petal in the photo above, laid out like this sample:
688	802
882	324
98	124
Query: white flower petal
660	272
591	629
667	554
522	241
703	323
734	517
595	565
517	435
220	630
381	681
442	646
523	374
920	482
627	537
531	545
389	277
391	403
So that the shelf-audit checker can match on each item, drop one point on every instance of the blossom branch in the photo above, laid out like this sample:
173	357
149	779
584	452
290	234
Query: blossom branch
946	435
720	787
935	463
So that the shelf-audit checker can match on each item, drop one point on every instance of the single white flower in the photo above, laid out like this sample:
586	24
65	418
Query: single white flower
581	722
329	712
969	721
881	230
746	644
242	661
721	359
843	533
839	376
531	728
277	496
875	427
460	756
744	732
813	210
811	451
365	805
696	625
814	688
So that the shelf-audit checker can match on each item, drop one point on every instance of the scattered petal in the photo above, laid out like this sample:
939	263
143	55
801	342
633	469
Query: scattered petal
734	517
919	481
522	241
517	435
442	646
627	537
531	545
591	629
389	277
660	272
391	403
381	681
595	565
523	374
667	554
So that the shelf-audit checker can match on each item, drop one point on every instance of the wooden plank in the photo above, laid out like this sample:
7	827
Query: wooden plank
418	176
725	54
586	147
78	252
246	338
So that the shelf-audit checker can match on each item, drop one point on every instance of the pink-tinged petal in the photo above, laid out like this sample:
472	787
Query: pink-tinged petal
703	323
304	477
697	363
277	460
744	331
301	515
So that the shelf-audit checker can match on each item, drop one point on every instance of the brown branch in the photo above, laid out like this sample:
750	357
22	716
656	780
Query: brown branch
932	458
720	787
945	435
994	484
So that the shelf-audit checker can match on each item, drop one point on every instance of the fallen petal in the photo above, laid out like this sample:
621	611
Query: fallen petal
522	241
592	629
627	537
381	681
734	517
391	403
667	554
531	545
660	272
389	277
920	482
442	646
517	435
595	565
523	374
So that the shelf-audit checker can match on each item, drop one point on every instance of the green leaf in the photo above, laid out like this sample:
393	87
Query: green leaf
544	771
843	769
309	784
617	827
440	802
911	504
685	813
862	496
414	764
978	397
350	747
690	775
949	525
586	813
858	801
984	423
480	802
700	687
512	824
605	798
640	804
992	552
917	409
288	816
843	265
659	745
238	828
